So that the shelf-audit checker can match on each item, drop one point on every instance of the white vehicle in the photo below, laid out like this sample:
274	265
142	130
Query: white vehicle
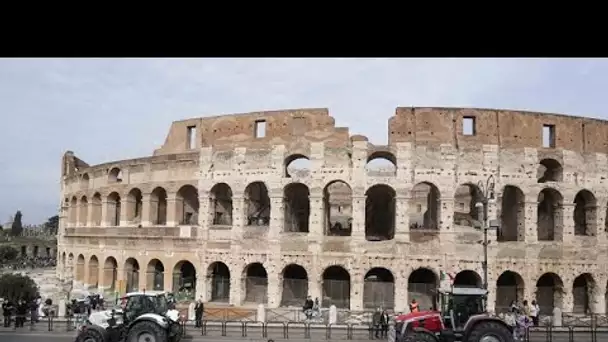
144	316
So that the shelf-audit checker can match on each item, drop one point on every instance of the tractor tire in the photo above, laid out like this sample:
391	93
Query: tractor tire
91	335
146	331
419	336
490	331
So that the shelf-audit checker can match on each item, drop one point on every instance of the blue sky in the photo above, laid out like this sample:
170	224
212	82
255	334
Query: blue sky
110	109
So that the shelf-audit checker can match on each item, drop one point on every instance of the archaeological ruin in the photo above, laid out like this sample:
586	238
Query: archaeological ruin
269	207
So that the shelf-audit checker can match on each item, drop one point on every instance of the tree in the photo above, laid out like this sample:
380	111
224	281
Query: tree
15	286
52	224
8	253
17	227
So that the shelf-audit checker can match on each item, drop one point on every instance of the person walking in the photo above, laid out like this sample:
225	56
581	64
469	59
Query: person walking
198	313
384	320
376	321
535	313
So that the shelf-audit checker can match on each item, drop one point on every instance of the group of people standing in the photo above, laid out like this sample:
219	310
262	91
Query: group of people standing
20	310
530	310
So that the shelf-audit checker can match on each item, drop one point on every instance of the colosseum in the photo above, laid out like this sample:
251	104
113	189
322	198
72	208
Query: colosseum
269	207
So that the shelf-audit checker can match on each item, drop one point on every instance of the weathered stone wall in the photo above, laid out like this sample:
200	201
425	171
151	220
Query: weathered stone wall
430	153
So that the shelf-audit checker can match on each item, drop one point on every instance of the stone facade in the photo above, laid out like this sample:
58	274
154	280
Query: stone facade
221	208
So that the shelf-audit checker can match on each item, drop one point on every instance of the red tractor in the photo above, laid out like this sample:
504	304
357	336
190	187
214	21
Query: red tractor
462	318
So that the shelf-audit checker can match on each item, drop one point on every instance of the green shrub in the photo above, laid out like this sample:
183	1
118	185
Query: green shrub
16	286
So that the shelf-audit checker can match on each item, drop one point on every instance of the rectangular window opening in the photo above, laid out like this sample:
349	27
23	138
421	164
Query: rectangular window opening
260	128
191	137
548	136
468	125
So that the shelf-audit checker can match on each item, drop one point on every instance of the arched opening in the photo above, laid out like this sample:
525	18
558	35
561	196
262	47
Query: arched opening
424	207
110	273
512	214
115	175
158	206
80	268
132	275
295	285
221	204
218	275
114	207
549	170
549	217
93	272
187	205
379	289
336	287
380	213
256	283
184	280
23	251
465	200
585	213
73	211
85	181
509	288
257	204
134	206
338	208
155	275
421	286
381	164
62	262
297	165
297	208
467	278
96	210
549	292
582	293
35	252
83	211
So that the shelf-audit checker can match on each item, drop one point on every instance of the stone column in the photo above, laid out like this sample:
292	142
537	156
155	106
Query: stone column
238	217
564	223
277	215
446	218
203	213
146	220
316	217
598	297
314	286
86	274
124	213
530	221
401	293
402	219
90	210
104	213
567	298
201	288
171	208
358	232
77	215
356	295
236	290
274	290
600	222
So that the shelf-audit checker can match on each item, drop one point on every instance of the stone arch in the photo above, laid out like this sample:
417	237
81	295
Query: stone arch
509	288
155	275
583	288
184	279
218	275
512	214
337	208
257	204
73	212
549	292
187	205
158	206
134	206
466	198
220	198
35	252
468	278
96	209
425	207
93	272
550	215
295	285
549	170
421	286
83	211
381	164
585	213
379	289
380	205
336	287
297	165
85	181
110	273
114	207
80	268
114	175
296	207
132	274
255	280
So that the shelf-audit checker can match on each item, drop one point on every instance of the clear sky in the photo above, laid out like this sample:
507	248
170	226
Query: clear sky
111	109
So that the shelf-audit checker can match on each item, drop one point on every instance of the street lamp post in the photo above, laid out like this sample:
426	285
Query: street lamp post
487	194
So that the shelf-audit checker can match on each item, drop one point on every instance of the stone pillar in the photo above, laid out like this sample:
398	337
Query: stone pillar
274	290
445	216
236	290
203	213
600	222
171	208
314	287
86	274
277	213
124	213
401	293
238	217
567	298
491	301
90	210
146	220
316	217
201	288
358	232
402	219
104	213
356	295
564	223
77	217
530	221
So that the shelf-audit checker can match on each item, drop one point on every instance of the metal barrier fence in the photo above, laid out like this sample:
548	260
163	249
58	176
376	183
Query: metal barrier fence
302	330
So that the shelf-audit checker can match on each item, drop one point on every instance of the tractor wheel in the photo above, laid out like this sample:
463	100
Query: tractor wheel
490	331
147	331
90	335
419	336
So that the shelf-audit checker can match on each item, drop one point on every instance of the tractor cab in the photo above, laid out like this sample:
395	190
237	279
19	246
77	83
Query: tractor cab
461	304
